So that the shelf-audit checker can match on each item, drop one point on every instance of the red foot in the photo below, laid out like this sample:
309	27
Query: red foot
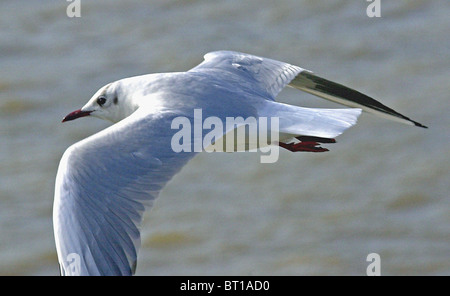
307	144
303	146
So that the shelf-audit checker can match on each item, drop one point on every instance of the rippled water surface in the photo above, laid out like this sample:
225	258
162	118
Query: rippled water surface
383	188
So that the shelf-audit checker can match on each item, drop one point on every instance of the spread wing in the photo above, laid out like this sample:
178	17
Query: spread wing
268	77
329	90
263	76
104	183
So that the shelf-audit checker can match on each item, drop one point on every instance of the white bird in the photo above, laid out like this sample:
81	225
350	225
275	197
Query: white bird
106	181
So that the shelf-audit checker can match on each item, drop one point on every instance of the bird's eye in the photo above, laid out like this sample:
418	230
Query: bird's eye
101	100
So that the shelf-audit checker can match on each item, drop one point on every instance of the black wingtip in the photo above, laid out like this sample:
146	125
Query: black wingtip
419	124
308	81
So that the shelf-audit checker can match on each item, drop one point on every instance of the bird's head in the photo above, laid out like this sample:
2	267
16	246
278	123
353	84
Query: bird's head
109	103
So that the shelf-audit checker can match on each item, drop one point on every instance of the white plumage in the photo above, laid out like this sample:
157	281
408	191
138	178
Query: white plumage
106	182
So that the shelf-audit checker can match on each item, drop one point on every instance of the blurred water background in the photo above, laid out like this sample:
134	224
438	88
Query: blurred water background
383	188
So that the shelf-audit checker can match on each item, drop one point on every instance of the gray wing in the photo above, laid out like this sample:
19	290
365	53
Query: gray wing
262	76
268	77
104	183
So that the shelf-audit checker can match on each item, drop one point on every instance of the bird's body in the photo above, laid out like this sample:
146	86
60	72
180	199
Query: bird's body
106	181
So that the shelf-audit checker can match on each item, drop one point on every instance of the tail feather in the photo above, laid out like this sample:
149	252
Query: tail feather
324	123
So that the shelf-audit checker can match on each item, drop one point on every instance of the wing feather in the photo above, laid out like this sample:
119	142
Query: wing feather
332	91
265	76
269	77
104	184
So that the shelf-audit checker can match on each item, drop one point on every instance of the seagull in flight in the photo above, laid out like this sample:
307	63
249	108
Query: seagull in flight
105	182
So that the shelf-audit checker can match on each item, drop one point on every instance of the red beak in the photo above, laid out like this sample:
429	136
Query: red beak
75	115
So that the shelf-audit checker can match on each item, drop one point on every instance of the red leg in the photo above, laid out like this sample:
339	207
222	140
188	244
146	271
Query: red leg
307	144
303	146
